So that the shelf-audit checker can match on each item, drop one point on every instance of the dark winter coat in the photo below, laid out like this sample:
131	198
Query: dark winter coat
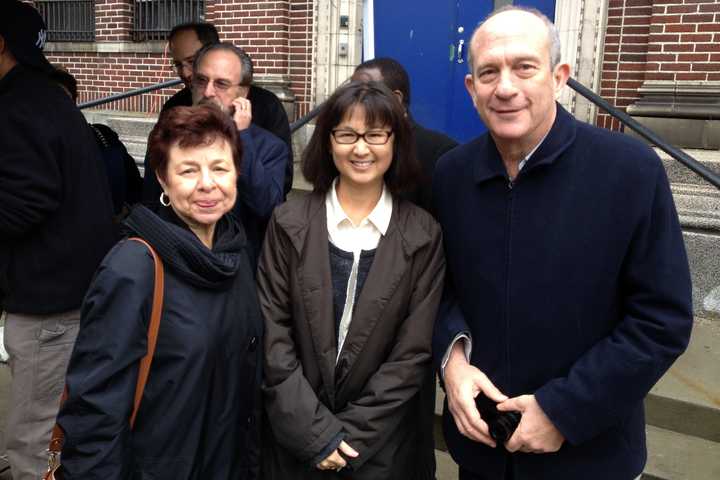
429	147
573	282
370	394
55	207
198	418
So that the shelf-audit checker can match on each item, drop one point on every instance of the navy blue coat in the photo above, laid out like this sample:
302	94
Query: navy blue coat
573	283
200	411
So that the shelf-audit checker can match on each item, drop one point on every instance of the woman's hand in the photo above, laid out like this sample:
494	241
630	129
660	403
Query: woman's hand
335	461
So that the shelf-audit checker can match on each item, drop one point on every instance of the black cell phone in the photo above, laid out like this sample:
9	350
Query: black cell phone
501	424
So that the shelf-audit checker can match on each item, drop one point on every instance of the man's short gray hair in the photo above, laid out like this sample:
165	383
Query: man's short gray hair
246	64
553	34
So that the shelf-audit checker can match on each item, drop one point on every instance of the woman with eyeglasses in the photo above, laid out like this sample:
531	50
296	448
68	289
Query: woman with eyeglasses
349	280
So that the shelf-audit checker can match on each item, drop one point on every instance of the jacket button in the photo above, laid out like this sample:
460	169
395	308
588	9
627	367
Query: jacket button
253	344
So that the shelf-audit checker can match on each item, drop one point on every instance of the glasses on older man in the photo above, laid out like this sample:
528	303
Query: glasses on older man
201	81
371	137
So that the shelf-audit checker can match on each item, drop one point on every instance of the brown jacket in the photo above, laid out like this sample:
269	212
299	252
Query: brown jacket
370	394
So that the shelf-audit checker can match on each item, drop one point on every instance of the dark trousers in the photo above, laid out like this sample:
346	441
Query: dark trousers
468	475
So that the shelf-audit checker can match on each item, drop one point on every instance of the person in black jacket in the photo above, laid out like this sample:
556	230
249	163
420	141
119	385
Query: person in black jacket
198	417
124	179
185	40
429	144
55	228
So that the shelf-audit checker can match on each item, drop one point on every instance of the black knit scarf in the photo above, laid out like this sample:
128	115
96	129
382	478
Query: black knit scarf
183	252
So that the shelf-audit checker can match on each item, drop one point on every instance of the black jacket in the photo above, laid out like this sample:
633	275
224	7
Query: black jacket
267	112
429	146
198	416
55	207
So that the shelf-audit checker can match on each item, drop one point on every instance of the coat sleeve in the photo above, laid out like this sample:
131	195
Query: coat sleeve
102	373
450	324
378	410
613	377
263	172
300	422
30	177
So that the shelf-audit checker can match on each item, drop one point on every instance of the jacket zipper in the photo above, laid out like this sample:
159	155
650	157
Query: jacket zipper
508	248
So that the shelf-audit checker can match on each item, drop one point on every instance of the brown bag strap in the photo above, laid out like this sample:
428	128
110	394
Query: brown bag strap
58	437
152	335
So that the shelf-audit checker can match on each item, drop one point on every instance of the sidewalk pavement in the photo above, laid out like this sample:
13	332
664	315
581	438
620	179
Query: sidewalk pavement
4	394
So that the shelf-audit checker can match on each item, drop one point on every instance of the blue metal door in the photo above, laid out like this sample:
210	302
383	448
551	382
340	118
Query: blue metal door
430	39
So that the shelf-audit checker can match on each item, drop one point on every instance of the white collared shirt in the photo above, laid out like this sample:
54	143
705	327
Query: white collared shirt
345	235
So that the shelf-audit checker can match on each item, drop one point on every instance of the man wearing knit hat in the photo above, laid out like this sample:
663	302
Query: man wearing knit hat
55	227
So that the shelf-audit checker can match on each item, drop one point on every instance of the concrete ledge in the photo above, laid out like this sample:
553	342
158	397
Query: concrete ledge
106	47
698	206
687	397
673	456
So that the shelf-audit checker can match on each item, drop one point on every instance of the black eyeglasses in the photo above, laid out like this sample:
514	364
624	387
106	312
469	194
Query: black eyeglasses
371	137
201	81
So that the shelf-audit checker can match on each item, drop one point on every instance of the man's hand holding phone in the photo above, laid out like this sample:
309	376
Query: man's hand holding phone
241	113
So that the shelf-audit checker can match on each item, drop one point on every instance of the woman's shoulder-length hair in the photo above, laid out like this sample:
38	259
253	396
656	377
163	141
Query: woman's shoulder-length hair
382	109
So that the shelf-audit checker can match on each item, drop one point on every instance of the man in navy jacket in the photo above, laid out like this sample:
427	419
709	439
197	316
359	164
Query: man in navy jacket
568	289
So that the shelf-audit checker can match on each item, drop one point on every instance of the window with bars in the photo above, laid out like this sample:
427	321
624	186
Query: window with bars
153	19
68	20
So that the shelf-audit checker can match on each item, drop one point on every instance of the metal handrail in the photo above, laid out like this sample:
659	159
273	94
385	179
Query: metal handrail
300	122
647	134
130	93
682	157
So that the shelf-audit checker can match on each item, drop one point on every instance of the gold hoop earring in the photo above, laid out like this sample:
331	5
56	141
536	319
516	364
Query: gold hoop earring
164	199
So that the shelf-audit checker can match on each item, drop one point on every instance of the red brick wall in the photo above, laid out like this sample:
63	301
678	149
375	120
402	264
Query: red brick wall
276	34
300	53
674	40
113	20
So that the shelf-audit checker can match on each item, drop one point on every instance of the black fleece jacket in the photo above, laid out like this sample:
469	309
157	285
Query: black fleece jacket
55	207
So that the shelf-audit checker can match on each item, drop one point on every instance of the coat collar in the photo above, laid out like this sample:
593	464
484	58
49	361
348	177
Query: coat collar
558	139
309	213
305	224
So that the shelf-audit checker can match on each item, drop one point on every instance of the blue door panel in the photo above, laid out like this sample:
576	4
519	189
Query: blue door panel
430	38
418	34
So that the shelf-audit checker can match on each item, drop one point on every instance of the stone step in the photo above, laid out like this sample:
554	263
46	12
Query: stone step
674	456
687	398
136	146
698	206
679	173
703	250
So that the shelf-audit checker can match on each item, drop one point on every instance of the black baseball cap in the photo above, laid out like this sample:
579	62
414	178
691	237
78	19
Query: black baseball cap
24	32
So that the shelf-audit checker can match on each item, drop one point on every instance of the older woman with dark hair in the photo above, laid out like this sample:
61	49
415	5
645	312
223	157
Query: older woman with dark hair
349	280
198	415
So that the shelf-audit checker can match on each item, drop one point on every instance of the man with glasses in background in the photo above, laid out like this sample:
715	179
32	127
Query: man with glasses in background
222	76
184	42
